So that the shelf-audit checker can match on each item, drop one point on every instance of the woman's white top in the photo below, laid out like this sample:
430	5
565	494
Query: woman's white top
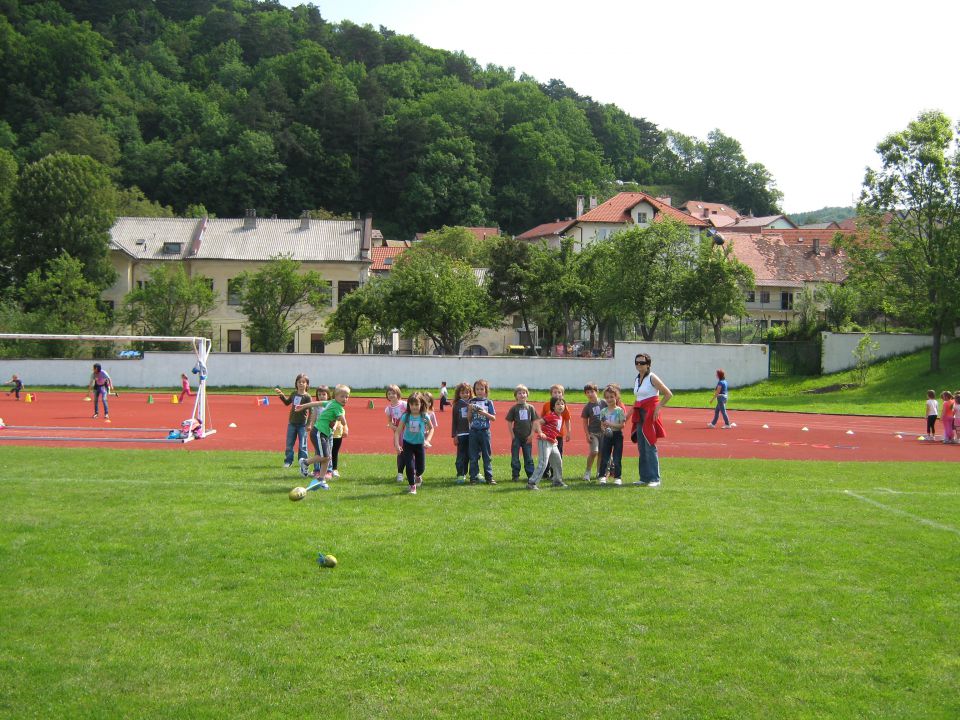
644	389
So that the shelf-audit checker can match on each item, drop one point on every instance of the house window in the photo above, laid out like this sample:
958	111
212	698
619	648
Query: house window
141	284
764	296
751	296
345	287
209	282
786	300
172	248
233	292
233	341
316	343
641	218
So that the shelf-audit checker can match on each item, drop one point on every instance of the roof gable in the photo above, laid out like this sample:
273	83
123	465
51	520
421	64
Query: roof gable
617	210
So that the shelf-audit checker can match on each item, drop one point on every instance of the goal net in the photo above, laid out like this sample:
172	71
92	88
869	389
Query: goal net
199	425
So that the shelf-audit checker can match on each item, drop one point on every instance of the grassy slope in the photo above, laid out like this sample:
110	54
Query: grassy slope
183	584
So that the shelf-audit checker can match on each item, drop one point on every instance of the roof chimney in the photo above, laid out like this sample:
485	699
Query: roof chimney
366	237
593	201
816	246
304	220
250	219
580	200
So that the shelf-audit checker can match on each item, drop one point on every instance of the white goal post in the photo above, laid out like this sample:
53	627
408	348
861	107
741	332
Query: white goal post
201	348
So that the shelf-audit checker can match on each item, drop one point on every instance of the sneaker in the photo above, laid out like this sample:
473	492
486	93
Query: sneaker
461	480
586	477
315	483
304	467
653	483
419	481
603	480
532	486
399	477
558	483
617	481
711	425
328	476
640	483
727	427
106	417
96	415
491	481
336	473
286	464
474	481
412	490
515	478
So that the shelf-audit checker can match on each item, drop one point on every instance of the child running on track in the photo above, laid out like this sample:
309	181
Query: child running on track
17	386
184	386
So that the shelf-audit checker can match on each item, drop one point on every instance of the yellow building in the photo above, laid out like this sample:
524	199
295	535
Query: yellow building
223	248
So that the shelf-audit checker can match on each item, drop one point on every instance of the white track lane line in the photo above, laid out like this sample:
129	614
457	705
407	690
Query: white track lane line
904	513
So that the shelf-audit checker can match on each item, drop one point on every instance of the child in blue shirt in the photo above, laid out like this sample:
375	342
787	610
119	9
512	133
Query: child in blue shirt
481	413
413	435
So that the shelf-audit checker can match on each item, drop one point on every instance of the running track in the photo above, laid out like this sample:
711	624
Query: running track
135	423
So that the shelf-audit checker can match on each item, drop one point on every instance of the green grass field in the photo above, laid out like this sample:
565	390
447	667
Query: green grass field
159	584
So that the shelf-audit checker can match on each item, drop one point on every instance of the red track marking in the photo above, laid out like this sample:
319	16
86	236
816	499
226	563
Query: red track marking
263	428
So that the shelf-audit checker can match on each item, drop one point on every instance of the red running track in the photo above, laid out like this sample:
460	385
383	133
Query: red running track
135	423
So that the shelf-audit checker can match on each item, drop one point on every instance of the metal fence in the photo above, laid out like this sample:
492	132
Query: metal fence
794	357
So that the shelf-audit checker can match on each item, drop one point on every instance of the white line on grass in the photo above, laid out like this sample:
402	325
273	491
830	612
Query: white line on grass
904	513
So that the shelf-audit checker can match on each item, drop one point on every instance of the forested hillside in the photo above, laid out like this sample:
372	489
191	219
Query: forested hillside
235	104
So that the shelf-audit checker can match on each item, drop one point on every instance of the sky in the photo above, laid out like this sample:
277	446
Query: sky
808	89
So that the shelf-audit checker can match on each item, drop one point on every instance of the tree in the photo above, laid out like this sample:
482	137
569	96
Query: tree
911	207
278	299
64	204
511	282
359	318
715	286
8	181
840	302
431	294
170	303
59	300
646	271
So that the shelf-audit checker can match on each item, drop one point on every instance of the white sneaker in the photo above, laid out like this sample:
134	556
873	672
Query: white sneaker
726	427
336	473
617	481
711	425
286	464
653	483
399	477
304	467
603	480
586	477
412	490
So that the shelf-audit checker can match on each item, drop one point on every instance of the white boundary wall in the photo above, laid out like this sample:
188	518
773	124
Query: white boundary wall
838	348
680	366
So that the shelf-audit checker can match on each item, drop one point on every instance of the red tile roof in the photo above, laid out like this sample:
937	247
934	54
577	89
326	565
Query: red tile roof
617	210
781	257
547	230
702	209
380	254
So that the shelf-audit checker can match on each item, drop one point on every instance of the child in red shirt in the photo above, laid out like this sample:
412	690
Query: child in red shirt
549	430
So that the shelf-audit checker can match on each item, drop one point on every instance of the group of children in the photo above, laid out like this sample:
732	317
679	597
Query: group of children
950	416
327	422
412	424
